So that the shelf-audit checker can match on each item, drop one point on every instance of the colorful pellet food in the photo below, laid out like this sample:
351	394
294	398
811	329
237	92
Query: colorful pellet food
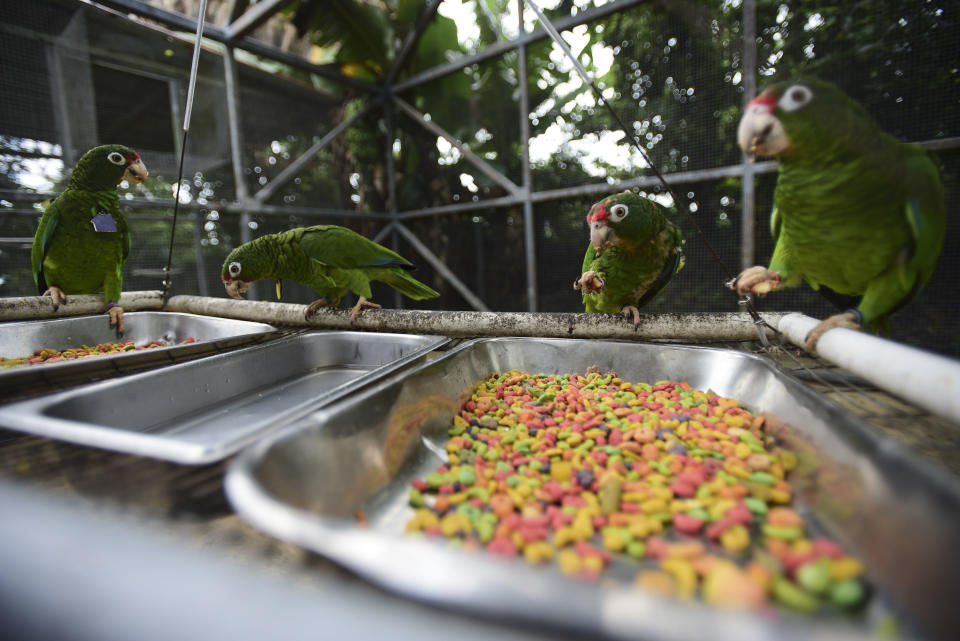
45	355
582	471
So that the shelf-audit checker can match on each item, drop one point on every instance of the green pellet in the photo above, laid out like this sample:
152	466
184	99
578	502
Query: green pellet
416	498
847	594
814	577
763	478
481	493
793	597
784	533
756	505
467	476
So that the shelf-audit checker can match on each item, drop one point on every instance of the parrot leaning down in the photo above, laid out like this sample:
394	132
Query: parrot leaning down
633	253
83	238
328	258
857	214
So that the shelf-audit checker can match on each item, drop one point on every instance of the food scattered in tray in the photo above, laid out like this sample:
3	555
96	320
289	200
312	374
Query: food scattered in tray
45	355
682	487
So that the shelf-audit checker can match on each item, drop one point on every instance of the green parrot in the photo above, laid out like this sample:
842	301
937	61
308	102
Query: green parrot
83	238
328	258
857	214
633	253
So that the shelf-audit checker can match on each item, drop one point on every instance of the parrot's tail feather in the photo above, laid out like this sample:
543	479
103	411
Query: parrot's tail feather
410	286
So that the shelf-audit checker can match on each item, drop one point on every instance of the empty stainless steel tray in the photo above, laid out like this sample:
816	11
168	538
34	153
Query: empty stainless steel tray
21	339
899	516
204	410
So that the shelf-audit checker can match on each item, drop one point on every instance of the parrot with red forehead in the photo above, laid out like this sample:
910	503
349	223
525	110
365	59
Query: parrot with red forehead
83	238
857	214
634	252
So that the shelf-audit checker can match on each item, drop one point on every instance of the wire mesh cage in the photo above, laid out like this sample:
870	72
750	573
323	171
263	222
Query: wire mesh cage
446	156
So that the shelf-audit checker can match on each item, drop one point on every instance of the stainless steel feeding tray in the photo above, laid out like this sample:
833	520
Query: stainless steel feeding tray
304	485
204	410
21	339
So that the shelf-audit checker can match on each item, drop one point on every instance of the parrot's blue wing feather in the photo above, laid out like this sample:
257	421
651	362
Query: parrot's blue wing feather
925	211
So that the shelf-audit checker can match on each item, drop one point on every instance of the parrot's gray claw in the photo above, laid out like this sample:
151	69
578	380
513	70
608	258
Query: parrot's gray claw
57	296
363	302
115	313
632	313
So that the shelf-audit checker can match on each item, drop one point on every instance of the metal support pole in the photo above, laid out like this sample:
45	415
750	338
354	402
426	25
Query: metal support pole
478	162
529	235
391	135
61	110
747	193
236	150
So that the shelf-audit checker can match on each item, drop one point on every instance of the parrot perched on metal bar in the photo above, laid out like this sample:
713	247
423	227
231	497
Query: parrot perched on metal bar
857	214
83	238
634	252
328	258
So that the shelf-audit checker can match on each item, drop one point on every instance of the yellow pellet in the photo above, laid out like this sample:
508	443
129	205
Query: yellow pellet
453	523
684	574
736	539
653	505
594	563
613	541
779	496
564	536
845	568
538	552
560	471
570	562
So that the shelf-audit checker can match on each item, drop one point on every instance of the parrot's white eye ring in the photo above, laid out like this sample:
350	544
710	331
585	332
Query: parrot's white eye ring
618	212
795	97
116	158
234	269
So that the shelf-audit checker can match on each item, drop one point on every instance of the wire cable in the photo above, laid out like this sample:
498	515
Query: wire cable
188	111
747	300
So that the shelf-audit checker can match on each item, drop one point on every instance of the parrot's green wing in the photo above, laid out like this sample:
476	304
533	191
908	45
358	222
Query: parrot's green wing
670	268
345	249
41	243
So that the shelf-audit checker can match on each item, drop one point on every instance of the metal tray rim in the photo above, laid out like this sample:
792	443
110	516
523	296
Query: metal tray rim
388	558
256	329
28	415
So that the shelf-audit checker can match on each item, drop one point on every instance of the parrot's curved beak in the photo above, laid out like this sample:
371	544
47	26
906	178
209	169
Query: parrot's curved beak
760	132
602	235
236	288
136	171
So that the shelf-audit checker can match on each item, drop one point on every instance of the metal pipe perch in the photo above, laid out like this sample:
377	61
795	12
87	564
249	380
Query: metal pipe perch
459	324
923	378
36	307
